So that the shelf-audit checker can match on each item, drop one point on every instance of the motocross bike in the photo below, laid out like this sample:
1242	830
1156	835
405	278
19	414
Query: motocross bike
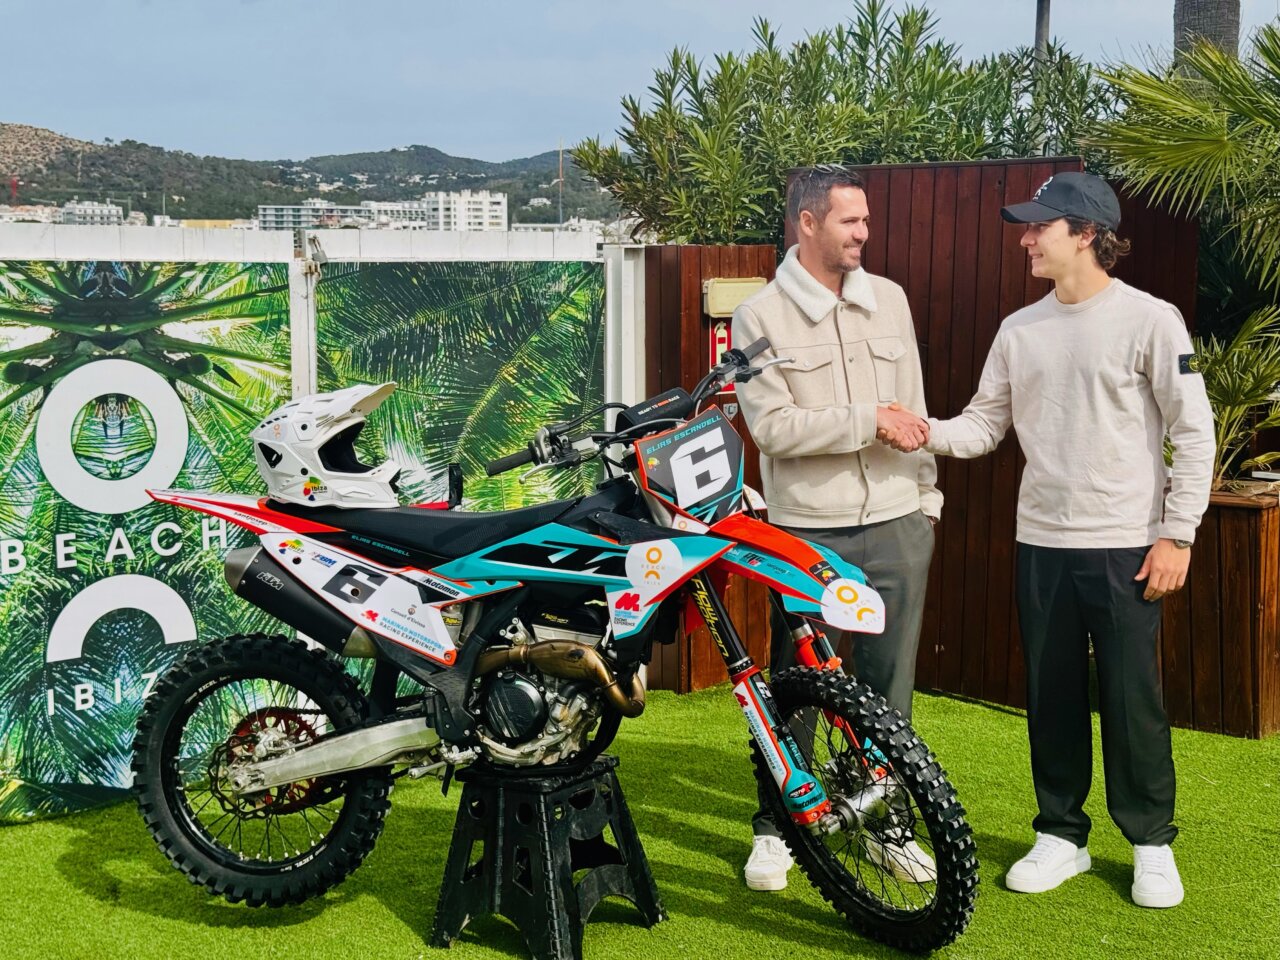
263	769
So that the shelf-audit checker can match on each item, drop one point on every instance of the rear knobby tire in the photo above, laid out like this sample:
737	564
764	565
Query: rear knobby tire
915	917
220	698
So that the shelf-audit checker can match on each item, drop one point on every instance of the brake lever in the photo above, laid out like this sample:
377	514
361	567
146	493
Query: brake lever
751	372
524	477
572	458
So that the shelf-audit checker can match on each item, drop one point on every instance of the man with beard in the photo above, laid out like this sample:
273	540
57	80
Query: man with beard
816	419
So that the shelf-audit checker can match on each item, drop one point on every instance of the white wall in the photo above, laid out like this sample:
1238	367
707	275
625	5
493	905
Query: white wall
624	346
48	241
56	241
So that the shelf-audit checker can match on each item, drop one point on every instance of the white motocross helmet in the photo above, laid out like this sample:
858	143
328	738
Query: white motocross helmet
306	451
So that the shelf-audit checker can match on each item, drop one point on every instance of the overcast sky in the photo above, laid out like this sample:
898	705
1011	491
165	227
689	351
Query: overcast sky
493	79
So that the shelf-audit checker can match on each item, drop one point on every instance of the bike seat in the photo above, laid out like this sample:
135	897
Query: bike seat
443	533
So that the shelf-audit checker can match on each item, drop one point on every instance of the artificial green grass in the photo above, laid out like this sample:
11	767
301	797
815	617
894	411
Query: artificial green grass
94	886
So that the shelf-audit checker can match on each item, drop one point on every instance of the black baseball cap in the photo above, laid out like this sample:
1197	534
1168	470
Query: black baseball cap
1069	194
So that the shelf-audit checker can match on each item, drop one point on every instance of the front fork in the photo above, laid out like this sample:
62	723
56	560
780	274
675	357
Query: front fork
802	794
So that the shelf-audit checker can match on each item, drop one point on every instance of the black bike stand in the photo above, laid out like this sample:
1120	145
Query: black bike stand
532	835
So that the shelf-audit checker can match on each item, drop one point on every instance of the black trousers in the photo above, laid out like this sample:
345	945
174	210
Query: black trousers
1065	598
895	557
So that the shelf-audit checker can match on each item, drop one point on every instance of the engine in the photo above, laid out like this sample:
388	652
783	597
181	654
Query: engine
528	716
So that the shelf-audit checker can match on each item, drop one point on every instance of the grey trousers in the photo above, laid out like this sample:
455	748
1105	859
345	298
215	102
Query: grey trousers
895	556
1066	597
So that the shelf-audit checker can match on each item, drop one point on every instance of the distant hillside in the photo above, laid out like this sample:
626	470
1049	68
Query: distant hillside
55	168
25	149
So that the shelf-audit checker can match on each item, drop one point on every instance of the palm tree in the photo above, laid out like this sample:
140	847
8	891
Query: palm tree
1202	139
704	158
1216	21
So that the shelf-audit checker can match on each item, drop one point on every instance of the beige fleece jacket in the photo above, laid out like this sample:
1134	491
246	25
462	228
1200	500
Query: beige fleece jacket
814	418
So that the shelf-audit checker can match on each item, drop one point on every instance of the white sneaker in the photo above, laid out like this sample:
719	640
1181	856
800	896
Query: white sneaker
768	864
1155	877
1047	864
906	861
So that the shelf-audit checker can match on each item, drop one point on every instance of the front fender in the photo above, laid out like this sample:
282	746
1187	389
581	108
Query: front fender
812	579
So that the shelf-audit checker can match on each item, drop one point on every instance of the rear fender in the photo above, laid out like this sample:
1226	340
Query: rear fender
252	513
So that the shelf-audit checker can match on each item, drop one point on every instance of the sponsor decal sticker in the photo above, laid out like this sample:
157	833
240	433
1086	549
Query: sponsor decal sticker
653	566
271	580
850	605
823	571
628	601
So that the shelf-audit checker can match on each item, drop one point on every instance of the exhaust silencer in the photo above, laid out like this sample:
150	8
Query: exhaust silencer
254	575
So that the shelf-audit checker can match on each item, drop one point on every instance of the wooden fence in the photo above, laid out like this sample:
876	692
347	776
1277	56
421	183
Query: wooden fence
1220	637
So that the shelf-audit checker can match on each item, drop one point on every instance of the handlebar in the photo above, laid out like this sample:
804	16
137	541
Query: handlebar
551	446
751	351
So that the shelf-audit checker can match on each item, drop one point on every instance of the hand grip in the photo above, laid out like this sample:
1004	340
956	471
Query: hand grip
509	462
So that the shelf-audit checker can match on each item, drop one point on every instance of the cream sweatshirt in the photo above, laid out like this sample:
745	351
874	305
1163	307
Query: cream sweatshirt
1091	389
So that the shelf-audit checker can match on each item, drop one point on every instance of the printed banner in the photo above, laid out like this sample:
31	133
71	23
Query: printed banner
484	353
115	378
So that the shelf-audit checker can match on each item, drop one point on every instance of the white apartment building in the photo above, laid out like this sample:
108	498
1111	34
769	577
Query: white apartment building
441	210
92	213
30	213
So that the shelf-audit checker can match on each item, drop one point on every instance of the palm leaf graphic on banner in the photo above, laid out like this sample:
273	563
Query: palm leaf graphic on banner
484	355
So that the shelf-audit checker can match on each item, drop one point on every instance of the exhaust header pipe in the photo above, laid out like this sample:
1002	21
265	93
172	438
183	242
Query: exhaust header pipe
568	660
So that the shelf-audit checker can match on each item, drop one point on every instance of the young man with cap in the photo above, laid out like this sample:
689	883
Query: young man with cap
852	346
1093	377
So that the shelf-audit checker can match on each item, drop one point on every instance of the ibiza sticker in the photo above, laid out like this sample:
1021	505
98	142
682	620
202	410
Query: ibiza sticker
850	605
654	566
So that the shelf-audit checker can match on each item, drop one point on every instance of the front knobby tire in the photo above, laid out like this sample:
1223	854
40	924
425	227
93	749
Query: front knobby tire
918	917
209	711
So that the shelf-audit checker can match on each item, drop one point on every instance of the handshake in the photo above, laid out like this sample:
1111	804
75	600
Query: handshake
901	429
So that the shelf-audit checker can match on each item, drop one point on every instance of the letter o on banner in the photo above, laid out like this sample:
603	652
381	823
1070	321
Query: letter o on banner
58	412
126	592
